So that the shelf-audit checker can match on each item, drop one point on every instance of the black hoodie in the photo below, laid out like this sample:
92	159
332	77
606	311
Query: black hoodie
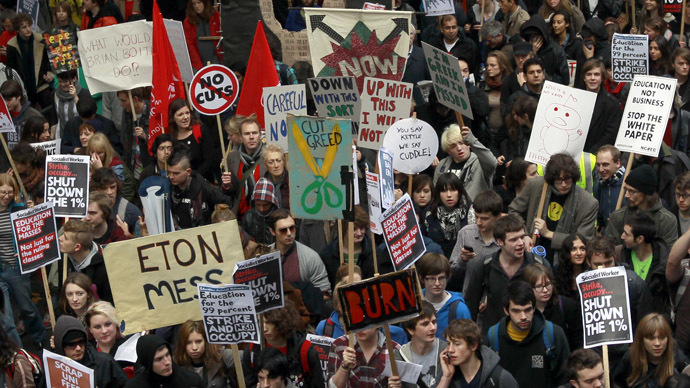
147	346
602	47
553	56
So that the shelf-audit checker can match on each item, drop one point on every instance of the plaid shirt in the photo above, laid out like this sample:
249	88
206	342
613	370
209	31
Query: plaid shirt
365	374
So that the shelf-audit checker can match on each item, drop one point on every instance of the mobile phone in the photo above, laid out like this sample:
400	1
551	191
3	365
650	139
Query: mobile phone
469	248
589	44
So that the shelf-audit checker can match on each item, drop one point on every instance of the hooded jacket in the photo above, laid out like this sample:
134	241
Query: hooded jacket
656	278
665	223
490	362
107	372
194	205
443	314
551	54
602	47
254	222
405	354
146	378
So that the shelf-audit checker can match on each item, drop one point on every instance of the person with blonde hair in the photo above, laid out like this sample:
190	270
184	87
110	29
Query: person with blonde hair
213	363
273	157
103	155
103	326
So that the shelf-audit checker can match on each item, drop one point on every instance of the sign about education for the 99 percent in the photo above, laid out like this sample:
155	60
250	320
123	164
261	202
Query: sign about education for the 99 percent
383	103
389	298
278	102
154	278
265	277
35	236
629	56
402	234
67	184
646	115
605	306
228	313
449	83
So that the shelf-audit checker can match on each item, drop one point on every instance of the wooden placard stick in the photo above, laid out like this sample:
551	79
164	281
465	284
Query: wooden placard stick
340	242
540	209
131	105
238	365
391	350
628	166
458	116
49	300
14	168
222	144
682	26
634	23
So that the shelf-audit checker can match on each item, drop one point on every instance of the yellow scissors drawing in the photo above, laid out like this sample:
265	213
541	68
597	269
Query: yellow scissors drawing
320	186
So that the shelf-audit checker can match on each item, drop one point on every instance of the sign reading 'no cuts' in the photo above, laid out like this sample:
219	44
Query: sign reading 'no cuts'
213	89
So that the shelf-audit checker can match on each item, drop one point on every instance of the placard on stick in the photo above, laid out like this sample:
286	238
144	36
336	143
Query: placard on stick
67	184
402	234
629	56
386	159
229	315
374	202
606	317
35	236
62	51
337	97
278	102
264	275
6	124
322	346
50	147
646	115
383	103
439	7
448	82
178	43
389	298
414	145
62	372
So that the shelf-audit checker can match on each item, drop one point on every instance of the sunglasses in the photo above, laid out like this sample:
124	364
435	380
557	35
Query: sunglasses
284	230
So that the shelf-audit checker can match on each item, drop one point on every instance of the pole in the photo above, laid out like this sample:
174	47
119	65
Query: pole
131	105
49	300
481	19
64	261
391	350
627	171
458	116
14	168
540	209
340	242
373	252
238	365
682	26
632	2
222	143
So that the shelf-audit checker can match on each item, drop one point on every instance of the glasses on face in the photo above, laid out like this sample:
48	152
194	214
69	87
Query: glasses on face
543	287
631	191
73	345
284	230
682	196
560	181
6	193
433	279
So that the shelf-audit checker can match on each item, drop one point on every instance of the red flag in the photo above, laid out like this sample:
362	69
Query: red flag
167	81
261	73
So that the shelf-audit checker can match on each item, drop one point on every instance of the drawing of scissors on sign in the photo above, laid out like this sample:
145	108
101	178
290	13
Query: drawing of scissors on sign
320	188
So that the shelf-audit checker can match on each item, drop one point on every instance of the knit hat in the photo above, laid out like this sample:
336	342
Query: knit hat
643	178
522	48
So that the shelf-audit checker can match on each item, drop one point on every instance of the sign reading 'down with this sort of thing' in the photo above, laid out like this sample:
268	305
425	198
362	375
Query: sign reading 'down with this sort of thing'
337	98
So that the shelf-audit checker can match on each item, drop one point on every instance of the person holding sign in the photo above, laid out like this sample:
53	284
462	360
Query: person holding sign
159	370
245	164
135	128
453	42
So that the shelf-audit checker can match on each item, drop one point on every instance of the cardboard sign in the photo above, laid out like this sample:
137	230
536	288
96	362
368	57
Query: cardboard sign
67	184
6	124
213	90
646	114
35	236
264	275
439	7
117	57
374	196
383	103
389	298
62	51
402	234
229	315
572	70
278	102
337	97
319	152
606	318
629	56
322	346
31	8
413	143
374	6
63	372
178	42
154	278
448	82
673	6
387	179
50	147
561	123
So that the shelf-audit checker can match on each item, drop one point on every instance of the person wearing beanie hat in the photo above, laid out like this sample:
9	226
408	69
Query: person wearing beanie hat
71	341
641	195
158	369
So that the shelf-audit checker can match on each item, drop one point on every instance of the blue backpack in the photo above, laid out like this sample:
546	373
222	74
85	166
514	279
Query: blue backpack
547	336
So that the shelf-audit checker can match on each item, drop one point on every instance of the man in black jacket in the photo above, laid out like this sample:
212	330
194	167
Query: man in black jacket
453	41
607	114
595	44
158	368
552	55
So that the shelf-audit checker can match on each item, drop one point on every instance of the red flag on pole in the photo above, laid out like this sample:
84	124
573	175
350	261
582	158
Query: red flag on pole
167	81
261	73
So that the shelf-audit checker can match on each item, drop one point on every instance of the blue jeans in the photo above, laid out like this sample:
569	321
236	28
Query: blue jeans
14	284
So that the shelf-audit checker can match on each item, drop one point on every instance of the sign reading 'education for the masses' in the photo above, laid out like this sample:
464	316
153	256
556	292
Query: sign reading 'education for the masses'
402	233
35	236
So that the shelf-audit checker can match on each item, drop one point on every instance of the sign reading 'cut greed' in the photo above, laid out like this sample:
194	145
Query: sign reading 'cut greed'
213	89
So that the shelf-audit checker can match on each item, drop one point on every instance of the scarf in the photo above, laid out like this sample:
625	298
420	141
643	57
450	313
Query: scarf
614	179
493	84
64	102
250	160
33	179
452	220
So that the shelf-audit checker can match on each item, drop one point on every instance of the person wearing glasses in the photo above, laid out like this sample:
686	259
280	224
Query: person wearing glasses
641	194
300	263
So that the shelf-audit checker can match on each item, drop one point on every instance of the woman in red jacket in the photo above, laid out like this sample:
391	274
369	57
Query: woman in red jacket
202	20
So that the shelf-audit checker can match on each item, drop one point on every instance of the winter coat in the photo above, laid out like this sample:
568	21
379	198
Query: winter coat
330	256
104	17
606	119
194	205
602	47
490	365
664	220
193	43
551	54
147	346
477	171
254	222
41	64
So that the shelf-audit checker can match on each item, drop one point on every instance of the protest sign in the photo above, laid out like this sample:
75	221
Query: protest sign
629	56
374	196
317	190
572	70
413	143
154	278
389	298
673	6
337	97
62	50
374	6
387	180
358	43
265	277
294	43
50	147
448	82
67	184
605	310
63	372
229	315
408	371
402	234
383	103
30	7
213	89
322	346
6	124
117	57
278	102
439	7
561	123
646	115
178	42
35	236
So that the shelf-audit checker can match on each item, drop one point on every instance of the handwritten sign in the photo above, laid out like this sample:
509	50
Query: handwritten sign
387	179
278	102
337	97
448	82
67	184
402	234
629	56
646	115
229	315
605	306
413	143
439	7
117	57
35	236
383	103
63	372
264	275
62	51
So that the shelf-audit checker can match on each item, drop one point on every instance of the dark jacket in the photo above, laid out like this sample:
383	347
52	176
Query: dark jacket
490	366
146	378
668	165
96	272
416	70
432	228
16	61
604	9
606	119
607	192
565	312
331	259
12	138
463	48
664	220
623	370
553	56
107	372
127	136
255	223
573	47
602	47
70	135
104	17
680	127
194	205
656	277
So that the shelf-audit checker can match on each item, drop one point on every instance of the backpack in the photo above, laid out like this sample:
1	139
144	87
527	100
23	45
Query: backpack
452	311
546	334
494	379
303	356
329	327
36	370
